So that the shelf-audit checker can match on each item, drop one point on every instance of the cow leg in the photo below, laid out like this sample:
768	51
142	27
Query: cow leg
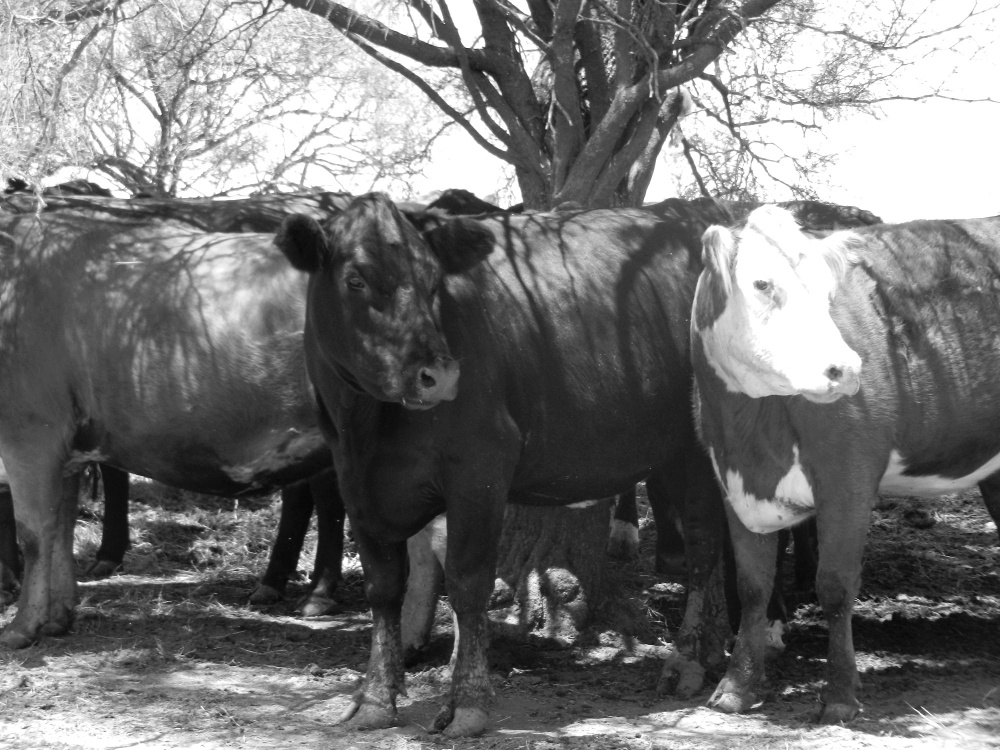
843	530
777	611
10	557
326	575
756	556
470	572
114	531
990	487
700	641
45	506
427	551
804	535
374	704
670	550
804	562
293	523
623	542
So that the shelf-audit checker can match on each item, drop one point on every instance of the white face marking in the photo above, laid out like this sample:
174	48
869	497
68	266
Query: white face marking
895	482
793	500
776	335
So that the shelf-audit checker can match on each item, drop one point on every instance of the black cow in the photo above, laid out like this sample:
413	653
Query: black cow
828	370
540	358
570	331
259	213
151	346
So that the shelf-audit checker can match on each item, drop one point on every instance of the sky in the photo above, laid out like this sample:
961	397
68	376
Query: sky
936	160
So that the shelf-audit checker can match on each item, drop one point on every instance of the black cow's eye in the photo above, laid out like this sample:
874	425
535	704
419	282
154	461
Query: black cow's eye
762	286
356	283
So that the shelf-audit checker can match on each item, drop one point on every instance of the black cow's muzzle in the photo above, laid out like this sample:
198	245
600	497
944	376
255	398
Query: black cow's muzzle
434	384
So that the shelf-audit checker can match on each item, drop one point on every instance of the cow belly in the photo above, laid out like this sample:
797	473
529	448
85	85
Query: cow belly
896	481
260	462
792	501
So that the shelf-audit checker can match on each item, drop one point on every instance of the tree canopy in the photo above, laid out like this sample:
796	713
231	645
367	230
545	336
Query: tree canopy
580	96
202	97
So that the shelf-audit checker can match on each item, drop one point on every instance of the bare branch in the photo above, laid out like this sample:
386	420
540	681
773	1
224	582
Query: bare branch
434	96
694	168
376	33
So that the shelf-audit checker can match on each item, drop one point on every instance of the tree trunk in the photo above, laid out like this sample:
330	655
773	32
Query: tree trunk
550	570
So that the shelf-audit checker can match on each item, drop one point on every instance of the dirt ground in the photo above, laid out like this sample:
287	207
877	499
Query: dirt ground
175	658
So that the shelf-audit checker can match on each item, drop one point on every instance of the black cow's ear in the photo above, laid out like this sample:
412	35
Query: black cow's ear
458	243
303	242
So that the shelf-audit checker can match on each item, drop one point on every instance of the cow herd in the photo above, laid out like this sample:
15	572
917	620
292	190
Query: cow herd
413	364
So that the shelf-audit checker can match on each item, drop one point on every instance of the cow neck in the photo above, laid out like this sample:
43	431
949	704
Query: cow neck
756	435
347	378
356	417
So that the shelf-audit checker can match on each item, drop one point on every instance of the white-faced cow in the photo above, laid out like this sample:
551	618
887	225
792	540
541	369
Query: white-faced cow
540	358
828	370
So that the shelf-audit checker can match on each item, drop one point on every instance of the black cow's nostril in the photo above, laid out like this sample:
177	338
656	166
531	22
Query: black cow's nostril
834	373
426	379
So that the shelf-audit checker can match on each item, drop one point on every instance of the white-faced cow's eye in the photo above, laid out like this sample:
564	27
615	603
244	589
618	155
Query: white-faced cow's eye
356	283
763	286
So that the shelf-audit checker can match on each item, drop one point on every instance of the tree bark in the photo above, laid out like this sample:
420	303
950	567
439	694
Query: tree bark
550	573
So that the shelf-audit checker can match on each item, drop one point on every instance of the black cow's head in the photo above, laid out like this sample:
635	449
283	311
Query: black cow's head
373	301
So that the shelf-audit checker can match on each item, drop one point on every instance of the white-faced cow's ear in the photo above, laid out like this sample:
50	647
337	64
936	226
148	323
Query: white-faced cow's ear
839	252
717	246
303	242
459	243
716	283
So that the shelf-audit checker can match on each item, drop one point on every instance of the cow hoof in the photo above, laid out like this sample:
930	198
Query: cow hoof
103	568
465	722
265	595
680	677
316	605
731	702
838	713
368	716
14	639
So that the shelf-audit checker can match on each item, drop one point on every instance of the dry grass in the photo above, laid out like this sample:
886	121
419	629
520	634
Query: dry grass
174	531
